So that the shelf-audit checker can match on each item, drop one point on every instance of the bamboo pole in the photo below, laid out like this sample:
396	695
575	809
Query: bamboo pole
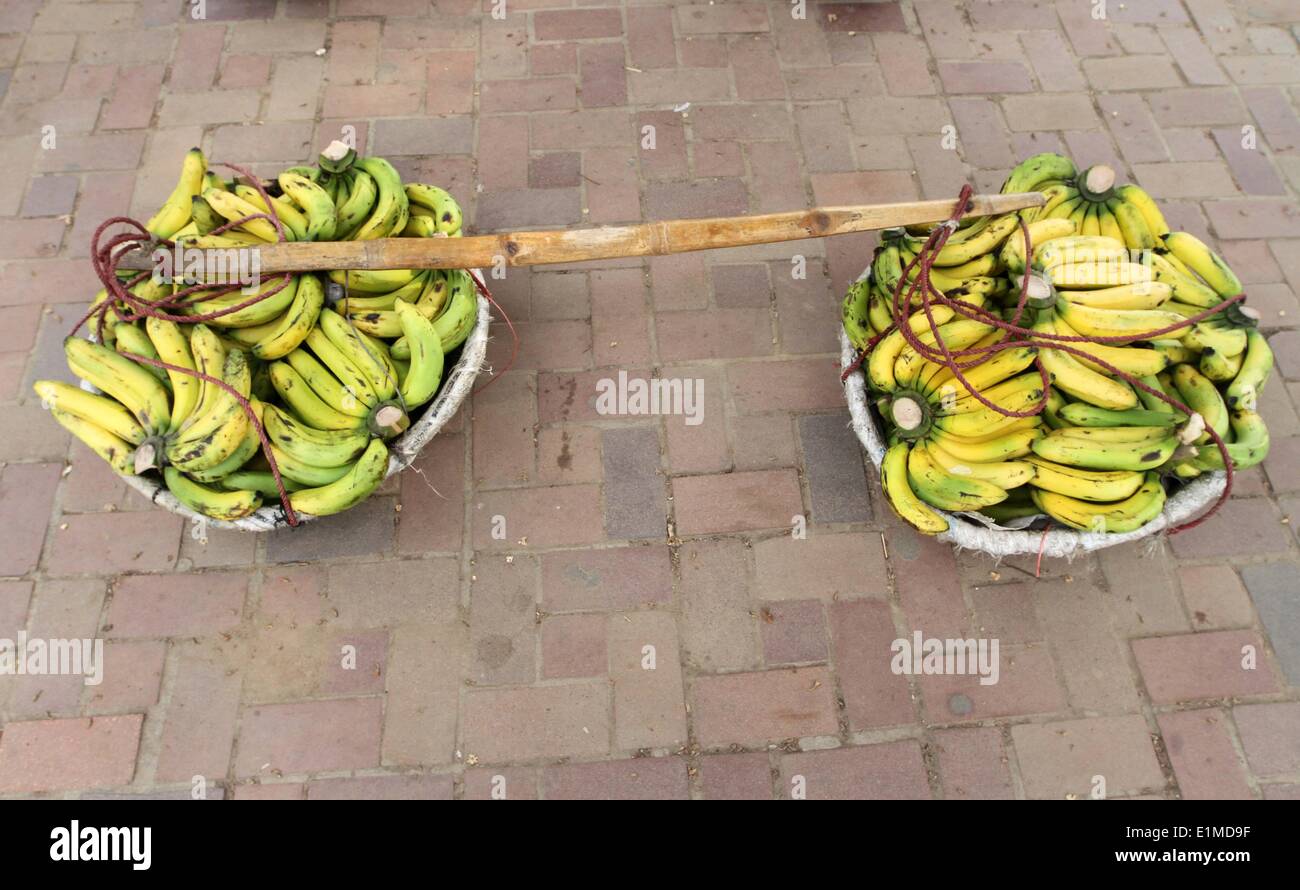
606	242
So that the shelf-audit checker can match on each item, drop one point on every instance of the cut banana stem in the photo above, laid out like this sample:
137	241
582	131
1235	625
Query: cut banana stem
389	420
1096	182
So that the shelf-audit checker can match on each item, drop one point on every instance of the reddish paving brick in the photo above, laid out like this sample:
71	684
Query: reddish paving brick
115	542
574	646
402	787
1205	761
861	17
132	676
560	516
751	708
425	667
512	783
973	764
618	578
304	737
577	24
1242	527
1215	597
1060	759
1026	684
794	632
874	695
186	605
645	778
645	669
1218	664
502	619
1270	736
736	777
736	501
26	495
200	718
886	771
503	725
57	755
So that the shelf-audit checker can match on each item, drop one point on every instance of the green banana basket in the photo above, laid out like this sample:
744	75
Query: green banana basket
971	533
455	388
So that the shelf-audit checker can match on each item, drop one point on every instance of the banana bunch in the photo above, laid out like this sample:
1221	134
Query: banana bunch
329	376
1106	281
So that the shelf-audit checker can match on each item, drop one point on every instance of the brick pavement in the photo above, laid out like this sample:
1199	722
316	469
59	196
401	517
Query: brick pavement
564	603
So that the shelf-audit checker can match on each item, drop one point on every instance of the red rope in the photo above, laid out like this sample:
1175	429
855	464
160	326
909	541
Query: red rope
1016	335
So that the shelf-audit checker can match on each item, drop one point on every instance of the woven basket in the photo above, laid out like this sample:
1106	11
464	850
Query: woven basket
998	541
402	450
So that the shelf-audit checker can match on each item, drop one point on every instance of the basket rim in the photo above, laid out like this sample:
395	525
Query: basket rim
999	541
402	451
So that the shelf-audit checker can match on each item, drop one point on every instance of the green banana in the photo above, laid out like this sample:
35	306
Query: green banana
355	486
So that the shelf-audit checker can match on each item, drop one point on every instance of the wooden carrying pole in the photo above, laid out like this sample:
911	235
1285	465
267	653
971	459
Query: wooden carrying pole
606	242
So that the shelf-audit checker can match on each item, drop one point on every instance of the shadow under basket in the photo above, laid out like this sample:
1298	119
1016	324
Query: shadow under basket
456	387
980	533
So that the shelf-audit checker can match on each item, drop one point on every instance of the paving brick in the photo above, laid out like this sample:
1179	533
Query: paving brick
644	778
502	620
512	783
26	495
187	605
366	529
973	764
433	498
199	722
417	590
863	634
1026	685
303	737
1272	587
425	667
1060	759
886	771
796	385
132	676
645	669
399	787
634	493
56	755
736	501
1241	527
574	646
736	777
577	24
1270	736
1205	761
1193	179
750	708
1064	111
1206	106
794	632
1271	110
617	578
836	481
861	17
1205	665
503	725
115	542
718	627
831	567
1142	596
